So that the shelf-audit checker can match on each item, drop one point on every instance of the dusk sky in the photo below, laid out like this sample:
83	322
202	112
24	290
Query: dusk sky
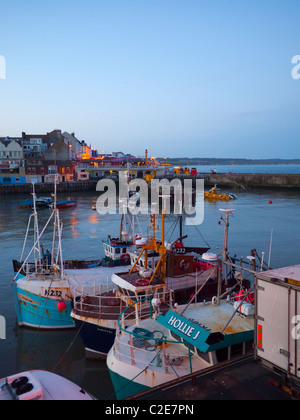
189	78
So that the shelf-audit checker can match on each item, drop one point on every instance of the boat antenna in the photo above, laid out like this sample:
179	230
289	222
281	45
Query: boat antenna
271	241
228	212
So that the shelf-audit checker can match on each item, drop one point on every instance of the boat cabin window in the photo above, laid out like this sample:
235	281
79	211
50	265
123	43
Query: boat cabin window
117	250
124	250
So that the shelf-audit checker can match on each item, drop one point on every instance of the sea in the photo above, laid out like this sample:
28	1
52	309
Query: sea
266	220
250	169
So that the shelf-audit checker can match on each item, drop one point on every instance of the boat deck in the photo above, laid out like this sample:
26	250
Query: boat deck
143	351
215	317
134	277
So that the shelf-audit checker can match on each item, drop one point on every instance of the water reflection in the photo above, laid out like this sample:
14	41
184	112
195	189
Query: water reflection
62	352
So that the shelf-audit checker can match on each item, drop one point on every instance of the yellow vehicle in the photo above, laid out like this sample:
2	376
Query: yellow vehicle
214	194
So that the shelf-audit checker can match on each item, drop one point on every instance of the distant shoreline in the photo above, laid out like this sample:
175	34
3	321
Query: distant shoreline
220	161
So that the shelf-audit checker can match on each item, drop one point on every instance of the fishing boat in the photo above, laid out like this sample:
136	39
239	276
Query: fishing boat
26	204
177	340
40	202
42	296
65	204
97	307
38	385
214	194
43	289
171	345
43	202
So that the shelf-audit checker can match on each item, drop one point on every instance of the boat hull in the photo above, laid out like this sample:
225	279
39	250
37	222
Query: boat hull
97	339
38	306
43	386
123	386
66	204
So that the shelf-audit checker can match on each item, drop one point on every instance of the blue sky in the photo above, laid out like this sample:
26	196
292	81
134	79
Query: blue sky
180	77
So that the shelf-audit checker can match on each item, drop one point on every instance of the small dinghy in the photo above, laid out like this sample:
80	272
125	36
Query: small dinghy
65	204
39	385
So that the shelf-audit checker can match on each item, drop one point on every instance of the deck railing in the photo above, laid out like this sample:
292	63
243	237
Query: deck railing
149	349
104	301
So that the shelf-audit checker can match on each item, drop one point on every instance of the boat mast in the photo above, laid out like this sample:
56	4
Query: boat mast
36	229
225	246
36	242
153	245
57	231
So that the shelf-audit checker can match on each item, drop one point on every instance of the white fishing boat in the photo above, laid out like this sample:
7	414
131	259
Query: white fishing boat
38	385
168	346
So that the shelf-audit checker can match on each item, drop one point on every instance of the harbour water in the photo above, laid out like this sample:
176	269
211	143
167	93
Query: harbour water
251	169
262	218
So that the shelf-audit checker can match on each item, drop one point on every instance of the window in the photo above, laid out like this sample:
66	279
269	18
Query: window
52	170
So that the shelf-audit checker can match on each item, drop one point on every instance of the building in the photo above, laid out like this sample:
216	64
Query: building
58	151
74	145
11	154
39	170
35	145
12	161
13	176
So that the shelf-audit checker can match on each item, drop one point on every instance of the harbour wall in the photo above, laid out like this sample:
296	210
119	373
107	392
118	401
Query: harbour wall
234	181
246	181
48	188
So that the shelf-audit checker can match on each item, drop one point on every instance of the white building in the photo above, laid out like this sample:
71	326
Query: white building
11	154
